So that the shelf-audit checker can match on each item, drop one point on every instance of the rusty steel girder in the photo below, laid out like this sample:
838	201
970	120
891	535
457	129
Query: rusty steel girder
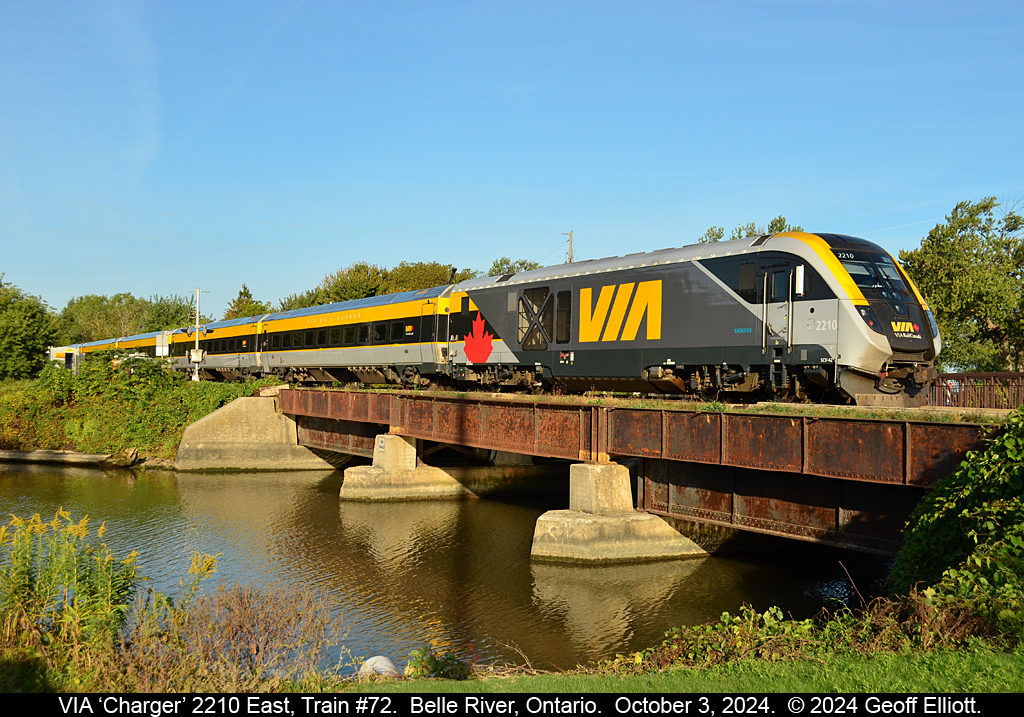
910	453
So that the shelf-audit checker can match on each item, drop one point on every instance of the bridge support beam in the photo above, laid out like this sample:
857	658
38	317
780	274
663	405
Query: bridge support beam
601	525
395	475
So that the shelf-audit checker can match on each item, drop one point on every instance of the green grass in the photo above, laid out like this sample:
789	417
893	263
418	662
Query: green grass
975	670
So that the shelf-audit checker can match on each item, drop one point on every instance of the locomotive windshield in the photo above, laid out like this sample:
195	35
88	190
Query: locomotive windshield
877	276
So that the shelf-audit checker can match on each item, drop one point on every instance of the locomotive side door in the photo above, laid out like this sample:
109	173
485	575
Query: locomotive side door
776	292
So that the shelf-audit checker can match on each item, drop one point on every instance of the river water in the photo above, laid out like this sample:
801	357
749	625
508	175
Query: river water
453	574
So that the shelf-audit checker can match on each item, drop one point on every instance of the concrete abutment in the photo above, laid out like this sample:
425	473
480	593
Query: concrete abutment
247	434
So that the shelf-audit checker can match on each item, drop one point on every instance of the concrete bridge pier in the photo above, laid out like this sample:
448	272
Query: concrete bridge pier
397	475
601	525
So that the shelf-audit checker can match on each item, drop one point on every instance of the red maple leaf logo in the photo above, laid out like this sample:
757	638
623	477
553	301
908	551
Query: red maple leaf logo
916	328
478	343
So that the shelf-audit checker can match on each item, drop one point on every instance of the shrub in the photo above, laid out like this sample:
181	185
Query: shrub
425	662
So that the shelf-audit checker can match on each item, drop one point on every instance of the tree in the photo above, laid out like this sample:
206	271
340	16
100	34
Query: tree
354	282
775	226
164	313
297	301
424	275
244	305
970	269
94	317
712	235
361	280
779	225
504	266
27	329
745	230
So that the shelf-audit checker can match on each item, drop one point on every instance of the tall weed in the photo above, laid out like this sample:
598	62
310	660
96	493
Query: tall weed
72	617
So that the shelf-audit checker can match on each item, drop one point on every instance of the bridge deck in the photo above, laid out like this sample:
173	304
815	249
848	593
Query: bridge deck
903	452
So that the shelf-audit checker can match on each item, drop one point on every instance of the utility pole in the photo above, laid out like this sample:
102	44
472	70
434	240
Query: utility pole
196	354
569	255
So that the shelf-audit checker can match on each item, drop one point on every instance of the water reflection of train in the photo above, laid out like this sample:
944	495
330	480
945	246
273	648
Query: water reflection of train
794	316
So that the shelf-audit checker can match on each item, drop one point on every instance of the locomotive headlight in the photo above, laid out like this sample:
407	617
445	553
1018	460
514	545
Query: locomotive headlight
869	318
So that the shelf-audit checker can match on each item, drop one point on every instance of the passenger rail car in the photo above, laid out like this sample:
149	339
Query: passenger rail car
794	316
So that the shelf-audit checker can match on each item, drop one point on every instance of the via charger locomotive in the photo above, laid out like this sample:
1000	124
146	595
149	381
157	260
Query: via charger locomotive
790	316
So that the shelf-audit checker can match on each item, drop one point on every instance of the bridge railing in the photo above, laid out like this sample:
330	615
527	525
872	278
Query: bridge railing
978	390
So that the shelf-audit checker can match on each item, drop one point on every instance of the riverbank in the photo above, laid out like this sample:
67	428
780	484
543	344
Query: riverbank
110	408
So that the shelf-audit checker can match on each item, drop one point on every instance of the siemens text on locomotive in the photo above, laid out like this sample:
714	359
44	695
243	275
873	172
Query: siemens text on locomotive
790	316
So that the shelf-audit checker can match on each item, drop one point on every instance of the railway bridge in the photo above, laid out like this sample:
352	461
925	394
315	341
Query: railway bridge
847	481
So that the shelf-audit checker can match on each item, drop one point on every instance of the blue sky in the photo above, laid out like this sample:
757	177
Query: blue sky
273	142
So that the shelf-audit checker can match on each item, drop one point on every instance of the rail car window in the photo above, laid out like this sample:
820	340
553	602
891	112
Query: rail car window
364	334
380	333
297	340
563	317
286	341
275	342
397	331
349	334
310	335
335	337
321	337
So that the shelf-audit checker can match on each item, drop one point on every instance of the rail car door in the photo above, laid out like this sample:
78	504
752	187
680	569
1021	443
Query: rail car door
428	334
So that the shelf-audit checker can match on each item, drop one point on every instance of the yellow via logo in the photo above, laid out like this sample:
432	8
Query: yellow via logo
645	300
906	327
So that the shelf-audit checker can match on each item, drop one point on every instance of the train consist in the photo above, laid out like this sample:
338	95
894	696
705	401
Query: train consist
792	316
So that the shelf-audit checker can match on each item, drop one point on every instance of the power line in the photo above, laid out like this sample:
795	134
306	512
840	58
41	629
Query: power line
279	224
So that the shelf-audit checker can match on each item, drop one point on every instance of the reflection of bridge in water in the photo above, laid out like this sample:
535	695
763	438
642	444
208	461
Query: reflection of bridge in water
458	573
844	481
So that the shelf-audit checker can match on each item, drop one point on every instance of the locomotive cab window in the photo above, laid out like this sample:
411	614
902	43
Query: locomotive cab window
747	288
780	285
